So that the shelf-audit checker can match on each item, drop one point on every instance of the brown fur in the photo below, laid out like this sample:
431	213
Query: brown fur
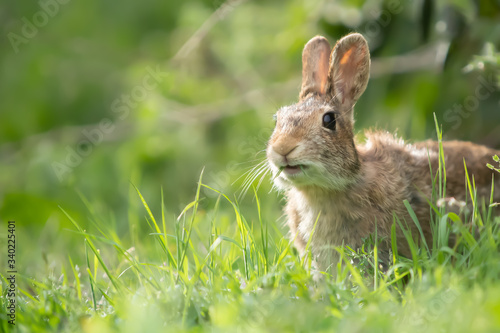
351	188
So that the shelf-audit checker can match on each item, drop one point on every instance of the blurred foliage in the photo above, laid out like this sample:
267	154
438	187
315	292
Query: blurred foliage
222	69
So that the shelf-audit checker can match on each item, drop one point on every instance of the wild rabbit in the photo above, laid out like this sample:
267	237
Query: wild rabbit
351	188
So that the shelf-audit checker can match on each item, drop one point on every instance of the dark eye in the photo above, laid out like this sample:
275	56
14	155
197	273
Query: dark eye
329	121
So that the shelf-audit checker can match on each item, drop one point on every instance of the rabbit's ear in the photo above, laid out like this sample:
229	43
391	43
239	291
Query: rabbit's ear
315	58
349	70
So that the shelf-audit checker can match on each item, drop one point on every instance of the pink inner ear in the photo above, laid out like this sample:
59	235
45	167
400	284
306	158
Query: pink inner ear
345	57
323	72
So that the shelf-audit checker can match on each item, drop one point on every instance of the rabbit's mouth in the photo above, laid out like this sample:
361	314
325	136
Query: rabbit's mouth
291	170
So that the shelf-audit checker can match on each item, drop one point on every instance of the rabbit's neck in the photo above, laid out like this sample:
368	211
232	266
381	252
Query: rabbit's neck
342	216
328	202
332	216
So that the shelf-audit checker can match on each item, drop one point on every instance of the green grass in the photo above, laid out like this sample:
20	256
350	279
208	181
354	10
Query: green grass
213	270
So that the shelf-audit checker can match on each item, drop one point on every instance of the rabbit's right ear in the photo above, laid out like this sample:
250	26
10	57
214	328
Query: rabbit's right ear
349	70
315	58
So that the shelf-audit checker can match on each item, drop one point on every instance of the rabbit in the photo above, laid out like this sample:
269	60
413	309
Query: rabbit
346	190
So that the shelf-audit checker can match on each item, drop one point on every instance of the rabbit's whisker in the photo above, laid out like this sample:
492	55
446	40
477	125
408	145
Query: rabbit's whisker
247	173
252	175
262	178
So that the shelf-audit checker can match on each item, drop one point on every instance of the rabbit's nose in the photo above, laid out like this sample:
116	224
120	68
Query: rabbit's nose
284	150
289	151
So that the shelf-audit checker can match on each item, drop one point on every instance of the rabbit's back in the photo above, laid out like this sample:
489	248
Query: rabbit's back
410	166
459	157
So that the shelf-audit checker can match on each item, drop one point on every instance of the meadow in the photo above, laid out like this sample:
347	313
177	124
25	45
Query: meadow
214	270
127	133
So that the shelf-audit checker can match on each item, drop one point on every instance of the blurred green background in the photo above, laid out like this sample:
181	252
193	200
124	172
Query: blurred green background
96	95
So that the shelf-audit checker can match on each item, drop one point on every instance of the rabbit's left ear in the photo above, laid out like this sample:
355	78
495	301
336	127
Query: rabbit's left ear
349	70
315	59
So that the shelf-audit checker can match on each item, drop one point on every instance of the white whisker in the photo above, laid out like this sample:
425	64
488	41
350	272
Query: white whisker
260	169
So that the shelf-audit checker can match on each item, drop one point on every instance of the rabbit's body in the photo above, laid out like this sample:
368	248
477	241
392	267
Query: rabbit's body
390	172
352	189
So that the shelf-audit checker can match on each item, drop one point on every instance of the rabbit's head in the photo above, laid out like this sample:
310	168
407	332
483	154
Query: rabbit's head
313	143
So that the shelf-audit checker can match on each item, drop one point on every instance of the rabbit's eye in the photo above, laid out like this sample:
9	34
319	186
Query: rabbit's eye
329	121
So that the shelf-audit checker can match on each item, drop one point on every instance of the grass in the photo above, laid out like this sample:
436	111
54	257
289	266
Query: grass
214	270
